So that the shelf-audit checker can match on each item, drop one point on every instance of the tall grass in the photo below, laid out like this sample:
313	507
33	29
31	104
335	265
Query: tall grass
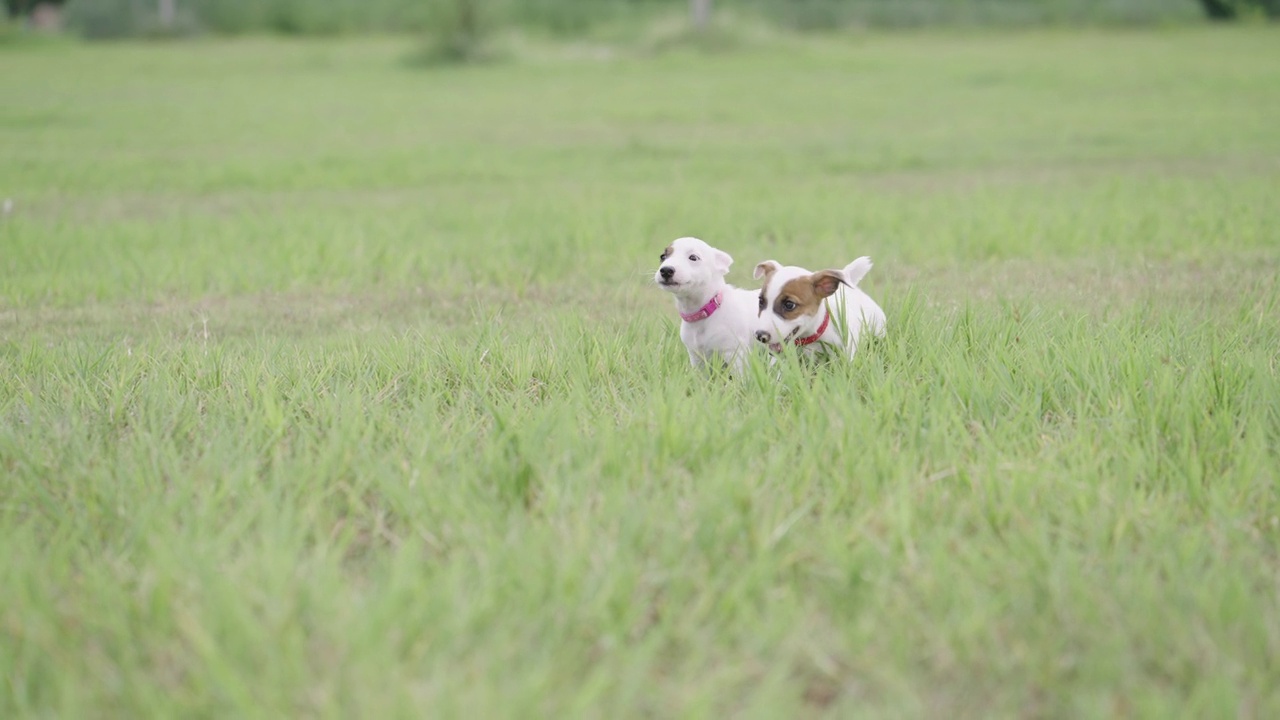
329	387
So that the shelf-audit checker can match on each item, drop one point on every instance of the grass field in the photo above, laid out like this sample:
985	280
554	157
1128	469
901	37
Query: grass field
332	386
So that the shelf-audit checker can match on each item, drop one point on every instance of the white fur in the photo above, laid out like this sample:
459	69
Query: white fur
726	336
853	311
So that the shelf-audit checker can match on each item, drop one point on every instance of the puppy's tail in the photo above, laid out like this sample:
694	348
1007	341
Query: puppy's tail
856	270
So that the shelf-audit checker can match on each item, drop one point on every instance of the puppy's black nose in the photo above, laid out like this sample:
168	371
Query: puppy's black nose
666	272
762	336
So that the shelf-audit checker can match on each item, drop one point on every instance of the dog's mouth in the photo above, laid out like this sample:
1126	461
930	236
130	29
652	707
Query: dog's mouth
668	283
777	346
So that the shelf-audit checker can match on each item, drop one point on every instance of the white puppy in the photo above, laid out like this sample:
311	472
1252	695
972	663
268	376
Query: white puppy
817	311
717	319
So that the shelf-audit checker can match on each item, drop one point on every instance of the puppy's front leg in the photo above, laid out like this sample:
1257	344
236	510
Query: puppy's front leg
696	360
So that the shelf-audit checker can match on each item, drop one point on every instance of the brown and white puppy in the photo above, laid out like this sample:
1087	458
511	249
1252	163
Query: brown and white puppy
816	311
716	319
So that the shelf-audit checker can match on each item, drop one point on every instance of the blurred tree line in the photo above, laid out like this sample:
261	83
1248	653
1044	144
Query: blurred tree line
466	19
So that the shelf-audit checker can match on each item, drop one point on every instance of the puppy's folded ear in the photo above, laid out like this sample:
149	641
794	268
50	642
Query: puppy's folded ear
765	269
723	261
826	282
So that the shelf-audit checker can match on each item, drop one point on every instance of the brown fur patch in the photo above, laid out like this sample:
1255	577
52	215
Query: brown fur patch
803	293
666	253
764	270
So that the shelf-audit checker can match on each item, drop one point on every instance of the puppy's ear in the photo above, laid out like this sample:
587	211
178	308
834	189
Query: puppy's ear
723	261
826	282
765	269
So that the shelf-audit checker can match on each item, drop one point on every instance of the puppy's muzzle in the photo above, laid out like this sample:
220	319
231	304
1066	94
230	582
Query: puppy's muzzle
666	273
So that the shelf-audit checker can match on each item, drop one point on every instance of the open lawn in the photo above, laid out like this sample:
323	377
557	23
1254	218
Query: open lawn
335	386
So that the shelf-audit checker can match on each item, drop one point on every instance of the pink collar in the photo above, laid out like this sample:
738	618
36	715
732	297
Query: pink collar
814	337
706	311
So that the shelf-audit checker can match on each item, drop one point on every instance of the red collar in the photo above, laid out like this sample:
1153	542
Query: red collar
814	337
705	311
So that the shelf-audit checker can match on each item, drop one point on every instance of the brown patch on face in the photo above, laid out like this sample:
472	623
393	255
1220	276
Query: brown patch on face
666	254
798	297
764	270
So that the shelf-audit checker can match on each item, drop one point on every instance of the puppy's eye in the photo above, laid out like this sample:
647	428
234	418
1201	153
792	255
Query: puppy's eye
762	303
788	305
693	258
663	256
